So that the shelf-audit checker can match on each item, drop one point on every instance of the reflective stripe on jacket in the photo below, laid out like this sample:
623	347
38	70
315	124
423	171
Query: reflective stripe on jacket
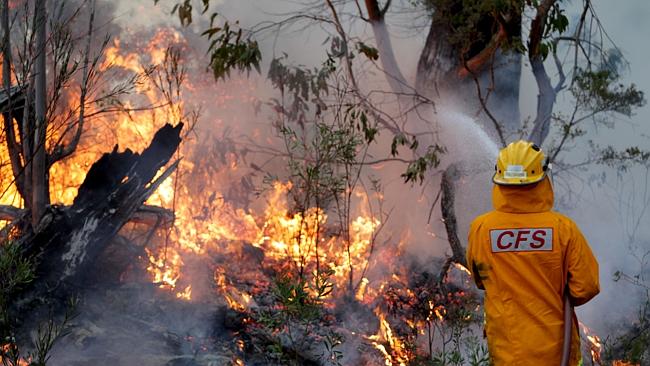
523	255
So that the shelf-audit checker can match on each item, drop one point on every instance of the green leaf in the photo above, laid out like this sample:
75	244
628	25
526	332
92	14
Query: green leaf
398	140
370	52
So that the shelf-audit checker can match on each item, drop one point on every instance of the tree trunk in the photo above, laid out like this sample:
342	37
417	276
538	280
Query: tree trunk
545	103
8	116
547	93
394	76
40	192
495	78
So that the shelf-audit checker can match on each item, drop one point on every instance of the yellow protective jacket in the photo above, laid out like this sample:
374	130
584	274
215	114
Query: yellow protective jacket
523	255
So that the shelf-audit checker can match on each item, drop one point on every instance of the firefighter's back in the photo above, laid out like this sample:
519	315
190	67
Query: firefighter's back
521	254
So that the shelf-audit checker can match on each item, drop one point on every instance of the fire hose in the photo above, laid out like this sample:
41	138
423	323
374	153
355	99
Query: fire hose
568	325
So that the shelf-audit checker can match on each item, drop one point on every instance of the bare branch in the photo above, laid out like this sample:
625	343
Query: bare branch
384	10
350	72
449	179
482	100
152	215
72	146
483	58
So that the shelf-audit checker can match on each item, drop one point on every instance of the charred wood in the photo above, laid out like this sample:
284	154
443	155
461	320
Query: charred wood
11	213
152	215
68	240
146	214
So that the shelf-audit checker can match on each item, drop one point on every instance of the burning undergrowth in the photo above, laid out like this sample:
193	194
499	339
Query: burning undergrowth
249	255
230	264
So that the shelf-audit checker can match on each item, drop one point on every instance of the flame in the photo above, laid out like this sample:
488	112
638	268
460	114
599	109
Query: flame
207	220
462	268
6	348
164	266
185	294
396	355
237	300
593	342
362	289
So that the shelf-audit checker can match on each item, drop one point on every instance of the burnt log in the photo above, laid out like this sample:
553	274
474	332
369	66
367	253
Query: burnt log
68	240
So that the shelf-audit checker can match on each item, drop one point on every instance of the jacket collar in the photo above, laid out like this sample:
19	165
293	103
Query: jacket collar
531	198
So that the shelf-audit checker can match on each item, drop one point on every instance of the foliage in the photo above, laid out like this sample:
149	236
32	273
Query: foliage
471	23
622	159
600	91
416	169
300	300
49	332
296	317
184	10
229	48
299	87
631	344
16	273
326	140
597	94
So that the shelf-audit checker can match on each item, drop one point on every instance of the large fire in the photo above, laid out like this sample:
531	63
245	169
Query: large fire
209	215
205	220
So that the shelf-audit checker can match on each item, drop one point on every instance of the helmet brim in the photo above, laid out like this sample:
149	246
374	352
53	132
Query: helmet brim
515	182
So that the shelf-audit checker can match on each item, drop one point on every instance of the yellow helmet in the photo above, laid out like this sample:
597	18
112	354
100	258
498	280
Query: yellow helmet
520	163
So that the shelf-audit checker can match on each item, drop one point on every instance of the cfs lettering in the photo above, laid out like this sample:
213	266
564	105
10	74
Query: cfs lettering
521	240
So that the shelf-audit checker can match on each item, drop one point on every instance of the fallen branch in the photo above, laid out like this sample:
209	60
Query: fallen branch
146	214
11	213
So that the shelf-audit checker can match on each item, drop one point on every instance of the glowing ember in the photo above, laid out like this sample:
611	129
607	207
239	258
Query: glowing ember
624	363
185	294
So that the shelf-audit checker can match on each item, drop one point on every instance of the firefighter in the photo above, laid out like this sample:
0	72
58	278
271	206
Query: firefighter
525	256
